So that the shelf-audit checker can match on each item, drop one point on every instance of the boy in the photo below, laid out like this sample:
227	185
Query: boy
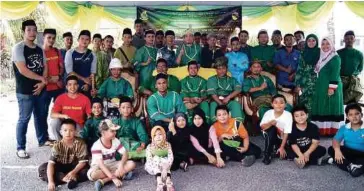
197	37
68	41
159	39
69	105
188	51
210	52
68	161
102	72
108	42
104	167
263	52
277	40
238	62
229	130
244	46
138	38
304	140
126	52
82	63
132	134
276	125
224	45
168	52
350	155
298	36
223	89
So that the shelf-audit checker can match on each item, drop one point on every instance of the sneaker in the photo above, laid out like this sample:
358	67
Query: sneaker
299	165
128	176
248	160
22	154
355	170
267	159
98	185
325	160
71	184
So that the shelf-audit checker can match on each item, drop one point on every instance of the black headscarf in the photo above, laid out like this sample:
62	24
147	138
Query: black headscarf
200	133
311	55
183	134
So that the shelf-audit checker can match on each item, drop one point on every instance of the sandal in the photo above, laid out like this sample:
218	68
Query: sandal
169	185
160	186
22	154
184	166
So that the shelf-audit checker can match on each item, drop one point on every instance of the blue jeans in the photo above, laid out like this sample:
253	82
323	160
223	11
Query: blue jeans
52	95
29	104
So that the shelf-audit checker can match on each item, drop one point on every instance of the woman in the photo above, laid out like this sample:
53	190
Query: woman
305	76
327	106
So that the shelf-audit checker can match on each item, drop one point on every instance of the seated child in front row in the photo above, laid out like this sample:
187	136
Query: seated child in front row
160	158
104	167
276	125
304	140
68	161
350	156
233	138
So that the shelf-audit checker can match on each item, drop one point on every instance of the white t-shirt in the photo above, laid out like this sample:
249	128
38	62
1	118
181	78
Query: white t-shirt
284	122
99	151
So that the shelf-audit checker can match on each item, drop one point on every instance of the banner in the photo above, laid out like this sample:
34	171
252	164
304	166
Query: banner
224	21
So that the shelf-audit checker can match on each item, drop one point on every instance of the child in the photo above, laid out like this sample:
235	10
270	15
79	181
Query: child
276	125
304	140
350	156
238	61
126	52
68	161
160	158
202	143
233	138
179	137
104	167
90	132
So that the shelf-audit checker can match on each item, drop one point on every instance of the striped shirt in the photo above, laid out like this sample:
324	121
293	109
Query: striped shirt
99	151
64	154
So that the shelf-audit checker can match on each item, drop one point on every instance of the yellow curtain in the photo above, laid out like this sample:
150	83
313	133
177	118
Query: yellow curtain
356	7
17	9
59	17
118	20
255	22
285	17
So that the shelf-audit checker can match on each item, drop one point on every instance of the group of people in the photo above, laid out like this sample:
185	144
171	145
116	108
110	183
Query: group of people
194	120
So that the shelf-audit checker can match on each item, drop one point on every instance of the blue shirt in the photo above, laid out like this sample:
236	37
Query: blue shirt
285	59
168	55
238	63
352	139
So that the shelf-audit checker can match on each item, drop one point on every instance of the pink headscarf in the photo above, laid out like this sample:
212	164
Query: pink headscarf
325	57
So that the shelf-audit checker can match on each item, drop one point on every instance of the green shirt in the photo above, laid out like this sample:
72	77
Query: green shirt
114	88
222	86
129	51
131	129
265	54
102	68
193	86
251	82
173	84
145	71
192	52
90	132
351	61
161	107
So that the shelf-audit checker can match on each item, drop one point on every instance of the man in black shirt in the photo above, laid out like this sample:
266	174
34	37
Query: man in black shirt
210	53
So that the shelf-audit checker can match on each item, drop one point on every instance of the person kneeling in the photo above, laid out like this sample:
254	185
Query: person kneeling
68	161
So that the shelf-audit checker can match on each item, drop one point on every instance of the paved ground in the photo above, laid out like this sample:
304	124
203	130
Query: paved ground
280	175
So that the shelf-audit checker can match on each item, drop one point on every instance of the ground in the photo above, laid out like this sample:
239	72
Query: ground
22	175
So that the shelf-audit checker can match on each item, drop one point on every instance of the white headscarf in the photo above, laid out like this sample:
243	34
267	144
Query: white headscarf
325	57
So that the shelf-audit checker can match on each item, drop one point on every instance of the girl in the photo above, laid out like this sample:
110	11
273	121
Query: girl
160	158
179	137
202	144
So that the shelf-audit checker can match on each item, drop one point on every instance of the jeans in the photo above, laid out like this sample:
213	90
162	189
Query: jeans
29	104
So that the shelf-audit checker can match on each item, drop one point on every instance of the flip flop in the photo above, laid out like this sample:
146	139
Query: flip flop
22	154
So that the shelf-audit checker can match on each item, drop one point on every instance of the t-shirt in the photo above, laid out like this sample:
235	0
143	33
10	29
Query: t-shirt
303	139
99	151
77	109
352	139
54	63
284	122
231	129
34	61
64	154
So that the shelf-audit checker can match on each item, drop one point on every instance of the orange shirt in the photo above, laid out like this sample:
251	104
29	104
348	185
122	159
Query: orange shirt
231	129
54	63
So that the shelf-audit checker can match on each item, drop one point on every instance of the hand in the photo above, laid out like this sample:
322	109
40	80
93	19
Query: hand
53	79
263	86
182	52
339	157
64	116
139	149
171	127
273	122
44	80
86	80
219	162
226	100
149	60
306	156
226	136
51	186
118	172
85	87
289	69
93	92
117	182
211	159
282	153
330	92
70	176
38	88
242	149
148	92
301	159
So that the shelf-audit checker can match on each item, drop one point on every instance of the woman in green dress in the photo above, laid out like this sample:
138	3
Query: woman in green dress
305	76
327	104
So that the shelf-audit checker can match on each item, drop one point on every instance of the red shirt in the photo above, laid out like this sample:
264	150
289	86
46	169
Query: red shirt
54	63
77	109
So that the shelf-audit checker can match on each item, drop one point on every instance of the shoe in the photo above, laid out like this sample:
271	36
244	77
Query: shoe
129	176
355	170
22	154
267	159
47	143
325	160
184	166
98	185
248	160
71	184
299	165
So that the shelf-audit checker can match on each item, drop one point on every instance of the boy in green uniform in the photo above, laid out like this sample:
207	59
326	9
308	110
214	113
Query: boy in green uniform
126	52
188	51
351	66
193	90
102	72
263	52
223	89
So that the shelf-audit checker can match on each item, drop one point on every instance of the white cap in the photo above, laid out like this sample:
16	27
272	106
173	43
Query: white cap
115	63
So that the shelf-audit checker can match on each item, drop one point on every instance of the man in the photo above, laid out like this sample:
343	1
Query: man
108	42
277	40
173	83
102	72
204	40
197	37
138	38
224	45
126	52
30	70
244	46
298	35
168	52
263	52
68	41
188	51
159	39
286	62
210	52
163	104
351	66
81	62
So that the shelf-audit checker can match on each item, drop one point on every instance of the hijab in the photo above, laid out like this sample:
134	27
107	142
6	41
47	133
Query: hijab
200	133
325	57
311	55
164	143
182	133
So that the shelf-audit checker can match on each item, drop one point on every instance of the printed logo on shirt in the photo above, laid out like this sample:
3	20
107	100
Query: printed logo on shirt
71	108
52	58
35	63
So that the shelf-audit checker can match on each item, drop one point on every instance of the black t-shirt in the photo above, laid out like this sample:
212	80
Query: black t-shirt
34	61
303	139
208	56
